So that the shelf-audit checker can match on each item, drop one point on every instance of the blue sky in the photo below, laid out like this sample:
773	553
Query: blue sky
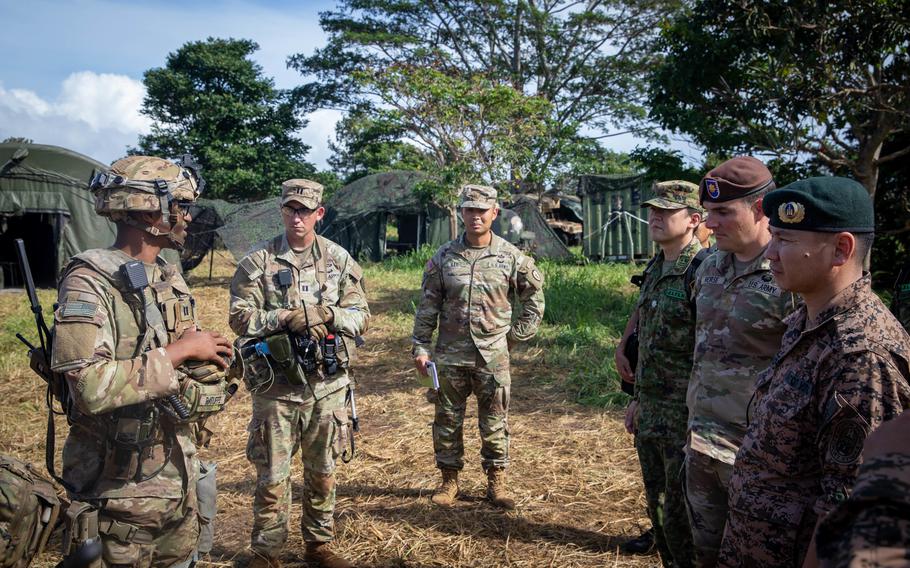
71	71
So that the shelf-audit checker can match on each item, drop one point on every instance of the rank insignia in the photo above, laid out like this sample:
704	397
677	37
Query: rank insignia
712	188
791	212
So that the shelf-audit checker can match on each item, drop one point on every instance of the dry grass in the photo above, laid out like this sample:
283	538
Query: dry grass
574	470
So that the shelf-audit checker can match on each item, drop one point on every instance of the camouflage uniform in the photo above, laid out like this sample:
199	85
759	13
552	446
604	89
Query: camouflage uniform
666	329
468	294
313	417
871	529
124	454
834	380
739	324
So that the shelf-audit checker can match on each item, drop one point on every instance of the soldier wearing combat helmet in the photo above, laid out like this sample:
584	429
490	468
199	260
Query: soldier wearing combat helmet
141	376
299	306
469	287
665	320
842	369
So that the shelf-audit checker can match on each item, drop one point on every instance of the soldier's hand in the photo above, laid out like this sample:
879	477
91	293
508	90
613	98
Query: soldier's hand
202	346
631	420
623	366
420	362
319	332
308	316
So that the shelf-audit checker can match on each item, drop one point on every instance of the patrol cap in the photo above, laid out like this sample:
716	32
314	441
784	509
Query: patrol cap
478	197
824	204
673	194
735	178
306	192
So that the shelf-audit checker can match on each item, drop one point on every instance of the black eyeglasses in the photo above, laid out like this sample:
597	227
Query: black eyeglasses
298	211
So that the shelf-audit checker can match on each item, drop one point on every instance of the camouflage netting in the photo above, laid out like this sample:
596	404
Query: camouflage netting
545	243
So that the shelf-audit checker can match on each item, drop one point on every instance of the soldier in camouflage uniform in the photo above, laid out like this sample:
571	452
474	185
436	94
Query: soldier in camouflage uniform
665	319
871	529
842	370
739	324
301	283
468	291
129	458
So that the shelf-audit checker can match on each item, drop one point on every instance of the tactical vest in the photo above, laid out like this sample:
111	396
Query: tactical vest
28	512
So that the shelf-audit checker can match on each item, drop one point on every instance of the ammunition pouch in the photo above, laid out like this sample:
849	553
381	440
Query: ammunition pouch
205	390
80	527
134	433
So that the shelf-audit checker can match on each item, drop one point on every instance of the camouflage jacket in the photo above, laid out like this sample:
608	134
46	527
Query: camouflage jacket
739	324
853	535
472	305
98	346
834	380
327	277
666	337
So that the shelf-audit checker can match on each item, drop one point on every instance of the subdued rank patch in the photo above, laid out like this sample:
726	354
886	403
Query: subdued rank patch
847	438
78	309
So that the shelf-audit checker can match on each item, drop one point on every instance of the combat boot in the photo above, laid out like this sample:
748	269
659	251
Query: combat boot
447	491
262	561
497	492
318	554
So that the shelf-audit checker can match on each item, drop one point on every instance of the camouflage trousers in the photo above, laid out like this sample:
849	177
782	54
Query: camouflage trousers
707	482
148	531
750	541
278	429
455	386
662	469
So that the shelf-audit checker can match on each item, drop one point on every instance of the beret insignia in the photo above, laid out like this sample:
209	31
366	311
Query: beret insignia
791	212
712	187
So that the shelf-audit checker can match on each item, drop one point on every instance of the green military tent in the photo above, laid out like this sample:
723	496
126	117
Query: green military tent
615	225
44	200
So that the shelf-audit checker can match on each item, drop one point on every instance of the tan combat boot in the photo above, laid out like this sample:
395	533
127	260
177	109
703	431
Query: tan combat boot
262	561
497	492
447	491
318	554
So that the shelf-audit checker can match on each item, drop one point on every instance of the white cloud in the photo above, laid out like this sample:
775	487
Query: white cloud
104	101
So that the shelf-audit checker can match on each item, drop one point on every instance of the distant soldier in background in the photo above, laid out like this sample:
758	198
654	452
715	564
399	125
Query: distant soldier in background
842	369
301	297
141	376
739	324
665	320
469	287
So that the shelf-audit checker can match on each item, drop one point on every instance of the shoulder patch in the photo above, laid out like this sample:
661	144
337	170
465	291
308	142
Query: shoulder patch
847	439
78	309
249	267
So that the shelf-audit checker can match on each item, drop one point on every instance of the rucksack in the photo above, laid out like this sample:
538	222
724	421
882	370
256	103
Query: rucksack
28	512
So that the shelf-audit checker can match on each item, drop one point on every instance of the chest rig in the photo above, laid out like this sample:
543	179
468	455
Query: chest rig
161	312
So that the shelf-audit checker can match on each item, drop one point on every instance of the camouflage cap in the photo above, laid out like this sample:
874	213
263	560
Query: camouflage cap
306	192
673	194
478	197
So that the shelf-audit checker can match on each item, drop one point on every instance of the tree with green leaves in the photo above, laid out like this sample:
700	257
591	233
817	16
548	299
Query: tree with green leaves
828	81
212	100
585	62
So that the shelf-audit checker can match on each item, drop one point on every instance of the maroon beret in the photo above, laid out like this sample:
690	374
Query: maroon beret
735	178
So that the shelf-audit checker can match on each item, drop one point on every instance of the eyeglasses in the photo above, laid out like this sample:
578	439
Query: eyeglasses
296	211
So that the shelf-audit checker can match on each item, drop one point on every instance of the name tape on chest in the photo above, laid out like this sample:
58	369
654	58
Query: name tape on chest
675	293
713	280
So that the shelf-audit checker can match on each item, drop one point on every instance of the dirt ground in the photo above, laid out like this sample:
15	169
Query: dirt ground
574	470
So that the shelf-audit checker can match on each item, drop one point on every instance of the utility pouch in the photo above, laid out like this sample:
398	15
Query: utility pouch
284	353
80	526
131	432
28	512
202	399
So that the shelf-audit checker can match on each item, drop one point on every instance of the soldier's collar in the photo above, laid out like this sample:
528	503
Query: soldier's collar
846	299
685	257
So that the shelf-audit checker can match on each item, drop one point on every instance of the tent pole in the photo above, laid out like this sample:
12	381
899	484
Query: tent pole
211	260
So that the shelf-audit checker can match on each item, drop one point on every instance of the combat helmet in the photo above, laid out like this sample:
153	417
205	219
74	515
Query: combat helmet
147	183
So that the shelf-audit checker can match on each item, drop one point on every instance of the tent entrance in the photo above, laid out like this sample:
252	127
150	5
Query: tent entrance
41	233
405	232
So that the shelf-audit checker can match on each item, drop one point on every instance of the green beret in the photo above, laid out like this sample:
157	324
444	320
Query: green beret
821	204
